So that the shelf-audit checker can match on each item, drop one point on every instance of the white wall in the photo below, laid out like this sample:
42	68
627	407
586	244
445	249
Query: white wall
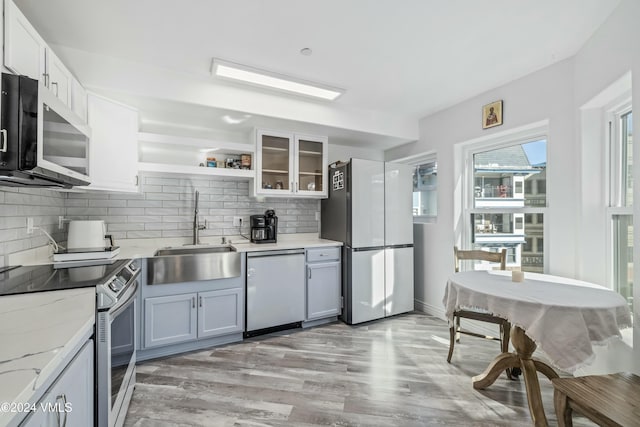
344	153
545	95
575	169
611	53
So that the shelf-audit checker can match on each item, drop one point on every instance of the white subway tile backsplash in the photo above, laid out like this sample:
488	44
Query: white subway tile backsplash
112	219
76	203
161	226
13	222
75	211
161	196
126	227
177	218
144	218
144	203
143	234
108	203
164	208
161	211
152	188
126	211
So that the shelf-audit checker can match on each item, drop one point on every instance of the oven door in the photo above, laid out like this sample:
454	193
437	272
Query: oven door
116	358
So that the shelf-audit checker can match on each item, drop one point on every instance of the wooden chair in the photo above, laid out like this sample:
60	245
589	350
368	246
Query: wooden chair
505	327
607	400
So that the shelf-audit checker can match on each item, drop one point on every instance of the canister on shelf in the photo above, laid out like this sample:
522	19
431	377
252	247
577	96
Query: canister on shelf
245	161
211	162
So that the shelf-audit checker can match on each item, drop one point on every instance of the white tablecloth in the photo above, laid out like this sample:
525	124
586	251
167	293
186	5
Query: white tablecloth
564	317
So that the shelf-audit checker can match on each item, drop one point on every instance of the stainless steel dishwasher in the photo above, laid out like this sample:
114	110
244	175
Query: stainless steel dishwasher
275	290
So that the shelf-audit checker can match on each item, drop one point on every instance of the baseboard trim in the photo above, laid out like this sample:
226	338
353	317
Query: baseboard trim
429	309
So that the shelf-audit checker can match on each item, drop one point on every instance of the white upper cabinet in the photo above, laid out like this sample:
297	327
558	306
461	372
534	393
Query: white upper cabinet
59	78
26	53
113	163
24	49
290	165
78	99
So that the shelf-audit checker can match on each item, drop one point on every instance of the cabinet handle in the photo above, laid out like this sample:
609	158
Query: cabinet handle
296	187
56	85
64	408
193	302
200	301
46	79
291	186
3	141
309	268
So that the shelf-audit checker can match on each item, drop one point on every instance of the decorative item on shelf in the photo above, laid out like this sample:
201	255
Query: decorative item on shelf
311	186
229	162
492	115
268	186
211	162
279	185
245	161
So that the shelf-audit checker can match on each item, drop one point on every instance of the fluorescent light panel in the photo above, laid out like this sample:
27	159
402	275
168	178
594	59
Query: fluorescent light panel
263	78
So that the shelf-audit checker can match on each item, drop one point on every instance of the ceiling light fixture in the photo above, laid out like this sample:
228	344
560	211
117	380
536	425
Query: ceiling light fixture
262	78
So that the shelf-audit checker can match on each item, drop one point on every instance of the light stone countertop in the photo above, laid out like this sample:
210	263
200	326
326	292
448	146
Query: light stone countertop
145	248
39	335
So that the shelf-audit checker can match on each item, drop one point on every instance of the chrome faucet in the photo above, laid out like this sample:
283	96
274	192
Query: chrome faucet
196	225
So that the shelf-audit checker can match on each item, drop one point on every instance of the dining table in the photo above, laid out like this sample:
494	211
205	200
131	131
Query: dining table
564	317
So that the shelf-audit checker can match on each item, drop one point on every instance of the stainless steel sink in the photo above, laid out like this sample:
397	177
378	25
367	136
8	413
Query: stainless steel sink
188	264
192	250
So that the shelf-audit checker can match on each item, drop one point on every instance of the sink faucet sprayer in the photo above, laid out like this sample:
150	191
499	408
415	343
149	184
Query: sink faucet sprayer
196	226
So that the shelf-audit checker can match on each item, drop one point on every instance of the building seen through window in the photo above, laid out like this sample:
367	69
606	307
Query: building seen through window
509	201
425	182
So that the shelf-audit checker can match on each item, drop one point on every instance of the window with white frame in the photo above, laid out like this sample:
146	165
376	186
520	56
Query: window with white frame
621	199
425	184
506	201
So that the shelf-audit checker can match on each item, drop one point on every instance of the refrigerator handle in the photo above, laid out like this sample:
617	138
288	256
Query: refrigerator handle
309	268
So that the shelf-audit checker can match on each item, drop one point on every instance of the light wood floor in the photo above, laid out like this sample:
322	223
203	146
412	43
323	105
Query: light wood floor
391	372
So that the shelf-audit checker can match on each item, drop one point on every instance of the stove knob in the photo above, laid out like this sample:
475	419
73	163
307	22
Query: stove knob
114	286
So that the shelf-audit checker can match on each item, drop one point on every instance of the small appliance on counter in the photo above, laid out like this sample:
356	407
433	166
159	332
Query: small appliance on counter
87	240
264	228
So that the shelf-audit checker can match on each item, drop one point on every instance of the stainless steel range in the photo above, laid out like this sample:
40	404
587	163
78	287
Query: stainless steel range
116	283
115	343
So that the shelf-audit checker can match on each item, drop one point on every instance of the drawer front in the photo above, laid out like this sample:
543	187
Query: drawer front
323	254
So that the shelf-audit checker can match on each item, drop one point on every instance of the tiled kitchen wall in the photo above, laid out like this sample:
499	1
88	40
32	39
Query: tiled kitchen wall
163	209
16	205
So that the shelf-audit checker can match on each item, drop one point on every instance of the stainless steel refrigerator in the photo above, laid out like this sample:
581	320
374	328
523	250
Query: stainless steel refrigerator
369	209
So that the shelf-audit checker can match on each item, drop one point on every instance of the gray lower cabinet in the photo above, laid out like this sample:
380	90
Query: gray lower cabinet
187	317
70	400
170	320
220	312
324	290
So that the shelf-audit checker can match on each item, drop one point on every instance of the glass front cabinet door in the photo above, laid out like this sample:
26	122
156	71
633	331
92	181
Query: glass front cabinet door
291	165
274	174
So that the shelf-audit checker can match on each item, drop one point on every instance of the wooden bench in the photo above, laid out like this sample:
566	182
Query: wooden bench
608	400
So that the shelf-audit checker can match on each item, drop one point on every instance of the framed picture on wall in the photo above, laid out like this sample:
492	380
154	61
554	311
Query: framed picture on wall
492	115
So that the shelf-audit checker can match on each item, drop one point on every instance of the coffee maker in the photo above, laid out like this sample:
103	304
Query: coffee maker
264	228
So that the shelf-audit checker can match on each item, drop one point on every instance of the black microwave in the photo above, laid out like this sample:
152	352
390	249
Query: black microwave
42	142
